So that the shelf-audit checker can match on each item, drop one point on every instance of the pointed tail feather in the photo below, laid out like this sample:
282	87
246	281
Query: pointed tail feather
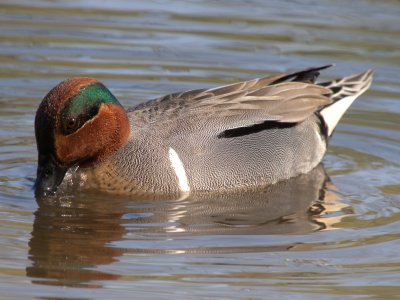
344	92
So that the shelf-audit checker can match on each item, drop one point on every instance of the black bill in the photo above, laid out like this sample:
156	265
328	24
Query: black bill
49	176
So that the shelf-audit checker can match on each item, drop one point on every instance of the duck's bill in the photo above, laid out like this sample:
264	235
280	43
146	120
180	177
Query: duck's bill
50	174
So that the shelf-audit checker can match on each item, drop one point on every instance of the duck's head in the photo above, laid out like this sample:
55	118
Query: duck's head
79	122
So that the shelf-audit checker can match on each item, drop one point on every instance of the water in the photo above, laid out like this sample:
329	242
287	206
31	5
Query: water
333	236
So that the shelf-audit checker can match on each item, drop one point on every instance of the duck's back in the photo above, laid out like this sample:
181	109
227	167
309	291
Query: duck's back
250	133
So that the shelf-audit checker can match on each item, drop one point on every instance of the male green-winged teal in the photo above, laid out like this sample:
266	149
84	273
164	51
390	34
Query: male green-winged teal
250	133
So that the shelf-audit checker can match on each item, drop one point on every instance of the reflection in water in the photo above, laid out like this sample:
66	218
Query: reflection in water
69	241
73	237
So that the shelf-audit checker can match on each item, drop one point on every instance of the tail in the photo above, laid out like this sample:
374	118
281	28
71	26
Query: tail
344	92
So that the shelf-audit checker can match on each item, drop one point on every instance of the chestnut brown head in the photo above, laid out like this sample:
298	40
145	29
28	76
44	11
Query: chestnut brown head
79	122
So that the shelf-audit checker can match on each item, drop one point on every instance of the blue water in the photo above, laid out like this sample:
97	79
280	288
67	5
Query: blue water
333	236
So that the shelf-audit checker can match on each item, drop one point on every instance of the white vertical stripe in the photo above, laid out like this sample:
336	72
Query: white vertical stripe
179	169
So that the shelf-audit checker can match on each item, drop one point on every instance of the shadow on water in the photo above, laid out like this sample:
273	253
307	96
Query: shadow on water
73	236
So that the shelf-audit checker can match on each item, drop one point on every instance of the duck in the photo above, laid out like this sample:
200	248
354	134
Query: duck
246	134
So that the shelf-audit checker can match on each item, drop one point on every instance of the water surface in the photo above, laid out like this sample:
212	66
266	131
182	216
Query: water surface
330	234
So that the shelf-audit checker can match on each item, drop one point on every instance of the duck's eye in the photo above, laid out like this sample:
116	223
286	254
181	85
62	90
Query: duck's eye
70	125
72	121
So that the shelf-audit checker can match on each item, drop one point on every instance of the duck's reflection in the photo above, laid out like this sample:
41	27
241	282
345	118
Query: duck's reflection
73	238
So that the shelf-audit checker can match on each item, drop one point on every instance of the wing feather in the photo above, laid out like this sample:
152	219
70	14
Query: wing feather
244	103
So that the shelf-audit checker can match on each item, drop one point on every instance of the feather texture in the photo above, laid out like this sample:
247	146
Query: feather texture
244	103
